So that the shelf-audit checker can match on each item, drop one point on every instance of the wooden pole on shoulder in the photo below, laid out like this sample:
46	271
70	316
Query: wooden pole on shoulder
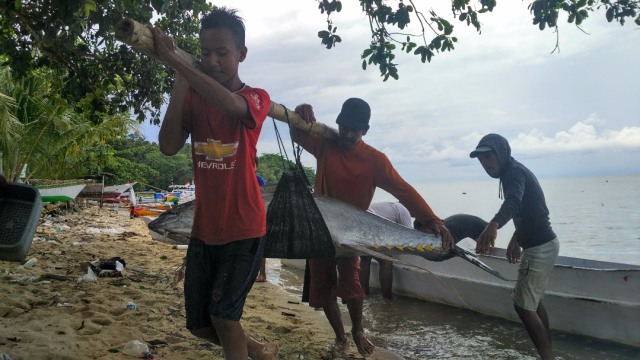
140	38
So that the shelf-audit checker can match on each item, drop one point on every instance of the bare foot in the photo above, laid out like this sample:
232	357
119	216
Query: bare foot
365	347
261	278
267	352
341	345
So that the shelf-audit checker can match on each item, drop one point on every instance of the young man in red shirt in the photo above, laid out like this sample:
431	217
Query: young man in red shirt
224	118
350	170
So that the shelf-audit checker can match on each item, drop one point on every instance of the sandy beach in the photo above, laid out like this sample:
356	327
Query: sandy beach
47	312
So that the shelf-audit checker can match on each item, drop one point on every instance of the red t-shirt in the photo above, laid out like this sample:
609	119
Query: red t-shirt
352	175
229	204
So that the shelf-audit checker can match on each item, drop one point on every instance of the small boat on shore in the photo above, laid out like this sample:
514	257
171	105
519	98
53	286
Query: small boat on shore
586	297
60	191
185	193
150	210
108	194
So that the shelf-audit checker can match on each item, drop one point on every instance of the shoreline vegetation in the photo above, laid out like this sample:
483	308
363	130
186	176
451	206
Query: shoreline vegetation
46	312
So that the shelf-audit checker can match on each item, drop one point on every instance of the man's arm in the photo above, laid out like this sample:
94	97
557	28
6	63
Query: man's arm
514	252
310	142
172	134
514	186
487	239
306	113
394	184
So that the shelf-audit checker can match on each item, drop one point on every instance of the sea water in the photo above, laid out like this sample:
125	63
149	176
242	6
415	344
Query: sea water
594	217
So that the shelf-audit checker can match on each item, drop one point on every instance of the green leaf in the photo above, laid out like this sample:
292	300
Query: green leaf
364	64
89	6
610	14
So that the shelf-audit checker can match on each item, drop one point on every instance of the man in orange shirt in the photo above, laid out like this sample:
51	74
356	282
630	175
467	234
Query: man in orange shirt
350	170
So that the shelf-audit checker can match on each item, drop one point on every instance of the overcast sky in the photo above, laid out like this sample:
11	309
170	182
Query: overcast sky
572	113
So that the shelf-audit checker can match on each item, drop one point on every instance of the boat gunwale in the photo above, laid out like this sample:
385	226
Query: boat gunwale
60	185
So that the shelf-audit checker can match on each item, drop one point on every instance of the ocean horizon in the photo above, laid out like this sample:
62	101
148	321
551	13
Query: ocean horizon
595	217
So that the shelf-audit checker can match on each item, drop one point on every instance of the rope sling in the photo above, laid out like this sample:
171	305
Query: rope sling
295	227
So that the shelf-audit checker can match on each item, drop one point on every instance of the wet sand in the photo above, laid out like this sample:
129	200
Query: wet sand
46	312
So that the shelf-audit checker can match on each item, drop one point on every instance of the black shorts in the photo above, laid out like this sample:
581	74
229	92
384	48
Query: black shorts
218	278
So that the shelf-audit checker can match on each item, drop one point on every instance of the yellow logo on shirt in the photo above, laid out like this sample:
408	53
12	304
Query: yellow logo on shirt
215	149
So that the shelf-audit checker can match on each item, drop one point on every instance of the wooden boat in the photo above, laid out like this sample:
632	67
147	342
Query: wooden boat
150	210
61	191
586	297
110	194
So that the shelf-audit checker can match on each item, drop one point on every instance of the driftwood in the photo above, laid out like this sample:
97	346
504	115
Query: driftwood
140	38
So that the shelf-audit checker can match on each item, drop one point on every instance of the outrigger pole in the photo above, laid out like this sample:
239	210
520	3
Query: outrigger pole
140	38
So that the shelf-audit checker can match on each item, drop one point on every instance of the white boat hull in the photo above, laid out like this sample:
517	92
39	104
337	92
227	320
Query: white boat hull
56	193
585	297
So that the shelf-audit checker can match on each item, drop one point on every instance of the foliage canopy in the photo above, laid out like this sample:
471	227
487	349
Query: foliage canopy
38	128
271	166
389	24
98	74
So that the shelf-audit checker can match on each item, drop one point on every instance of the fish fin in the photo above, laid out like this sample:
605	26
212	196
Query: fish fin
475	260
368	252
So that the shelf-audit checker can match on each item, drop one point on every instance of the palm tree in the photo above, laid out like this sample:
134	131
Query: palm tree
40	129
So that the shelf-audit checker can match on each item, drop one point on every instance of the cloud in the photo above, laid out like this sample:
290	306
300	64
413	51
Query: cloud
581	137
562	108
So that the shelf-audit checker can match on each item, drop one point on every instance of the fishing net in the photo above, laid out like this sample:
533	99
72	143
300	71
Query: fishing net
295	227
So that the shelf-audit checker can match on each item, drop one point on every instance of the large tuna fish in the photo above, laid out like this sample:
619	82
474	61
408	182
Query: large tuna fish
354	231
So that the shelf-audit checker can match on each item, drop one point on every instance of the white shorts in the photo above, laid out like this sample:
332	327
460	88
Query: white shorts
534	272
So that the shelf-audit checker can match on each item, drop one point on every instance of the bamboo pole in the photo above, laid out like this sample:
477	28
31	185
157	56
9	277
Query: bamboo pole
140	38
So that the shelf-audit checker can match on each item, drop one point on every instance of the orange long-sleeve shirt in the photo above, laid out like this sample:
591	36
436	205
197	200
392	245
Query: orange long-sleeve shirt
352	175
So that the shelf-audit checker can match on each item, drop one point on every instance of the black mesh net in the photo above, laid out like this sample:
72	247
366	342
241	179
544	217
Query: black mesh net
295	227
